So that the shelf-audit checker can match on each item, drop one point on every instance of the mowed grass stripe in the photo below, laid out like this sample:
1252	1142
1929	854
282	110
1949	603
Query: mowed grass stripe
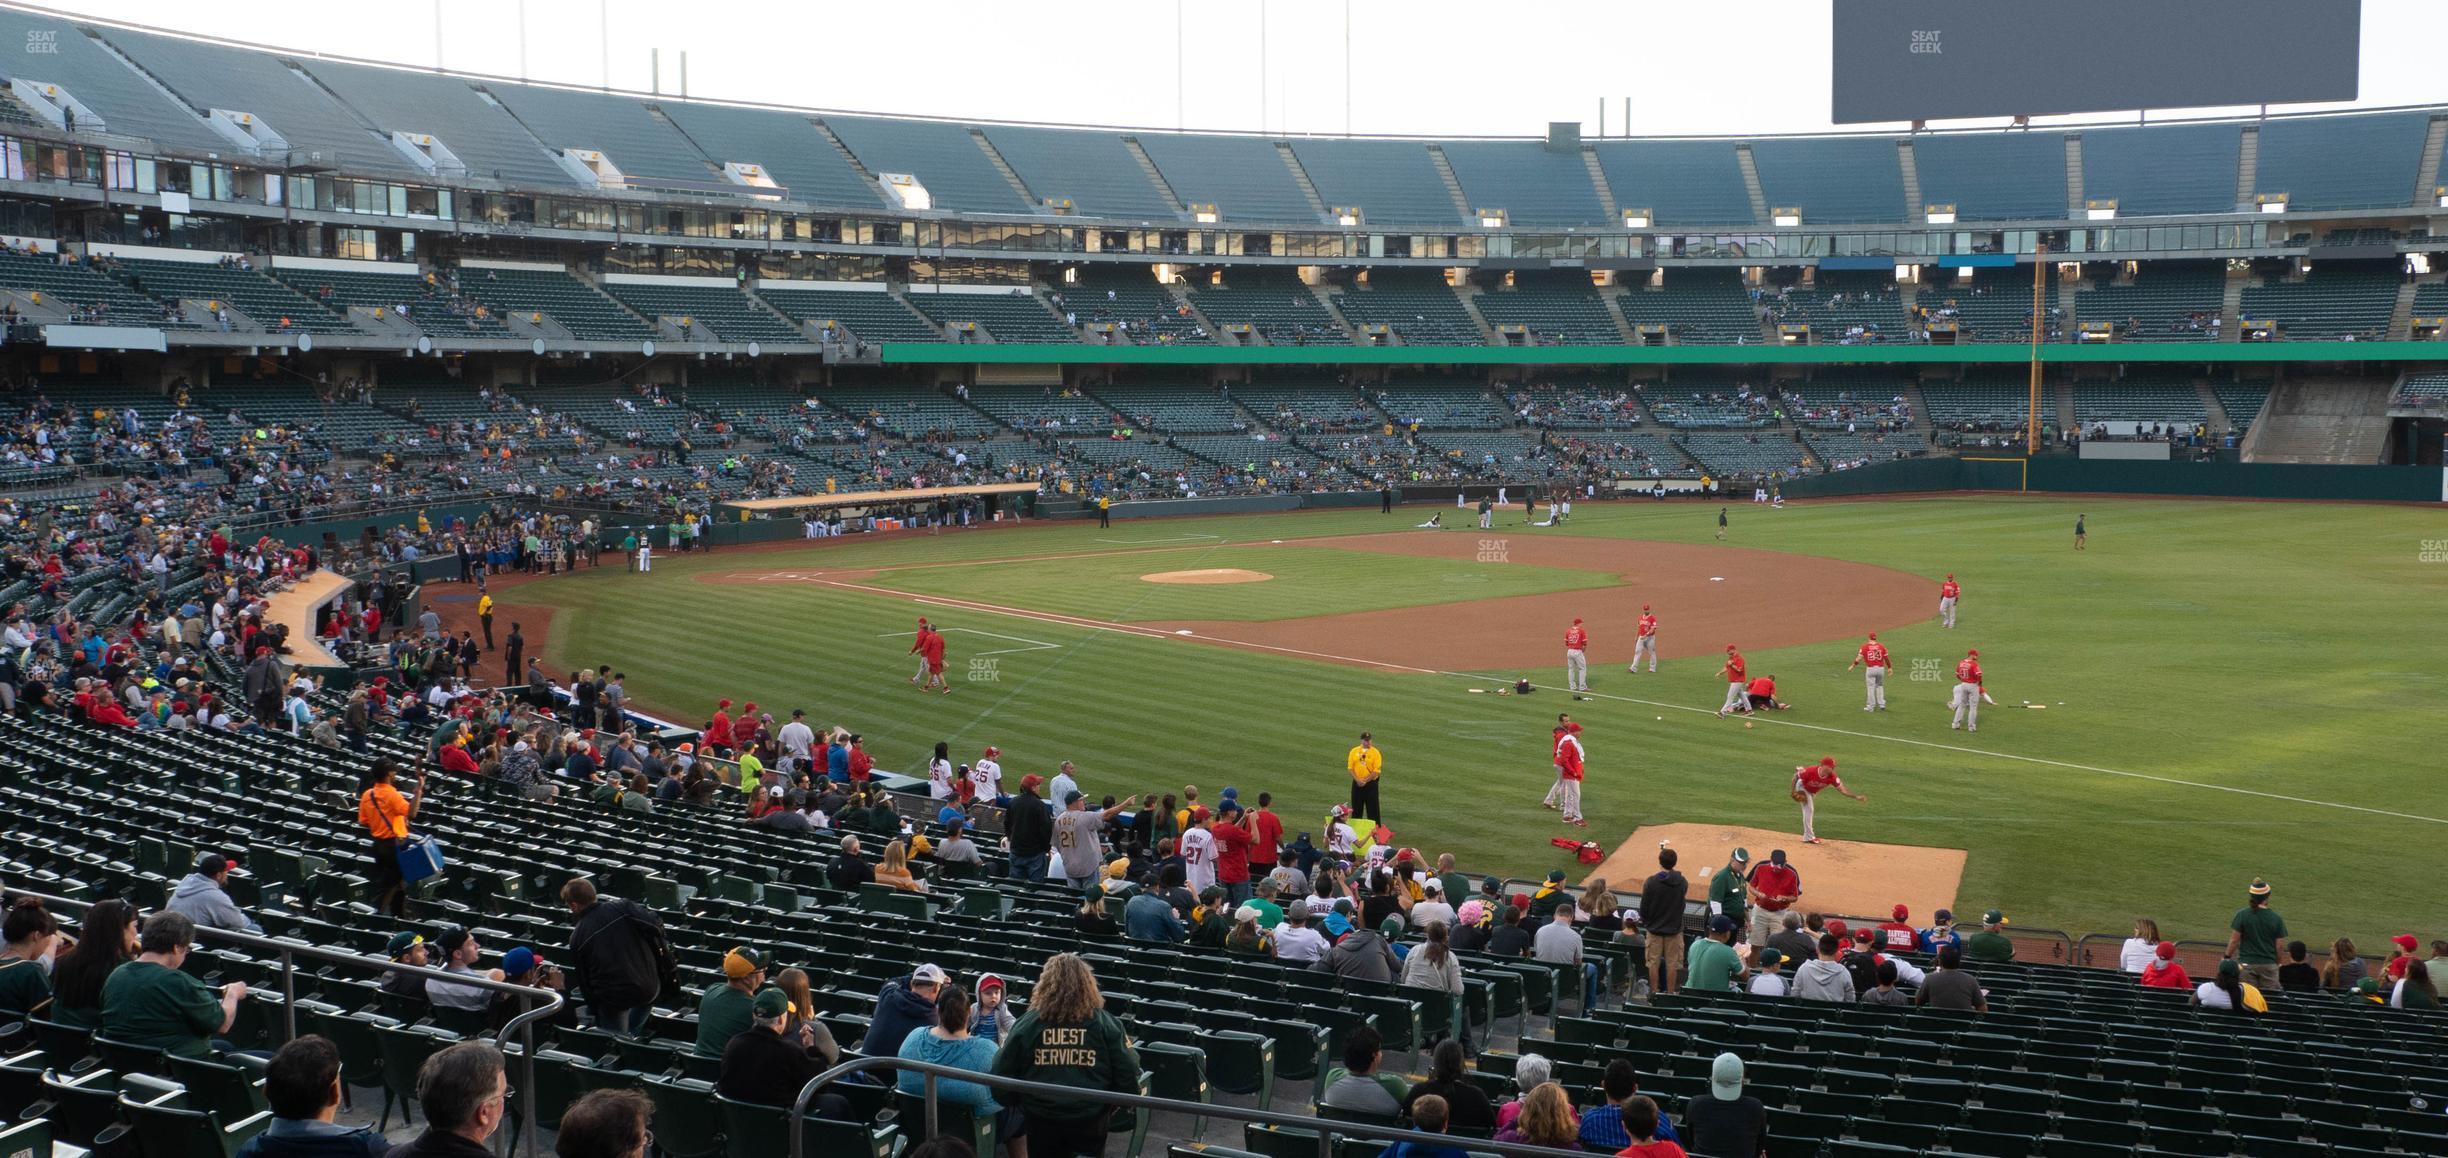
2245	644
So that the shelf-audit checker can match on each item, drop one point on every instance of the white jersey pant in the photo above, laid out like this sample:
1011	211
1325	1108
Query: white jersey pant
1576	669
645	560
1566	796
1967	706
1808	812
1874	688
920	675
1946	610
1645	645
1735	700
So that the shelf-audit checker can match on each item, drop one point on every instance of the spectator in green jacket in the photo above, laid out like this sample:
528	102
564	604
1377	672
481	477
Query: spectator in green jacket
1068	1039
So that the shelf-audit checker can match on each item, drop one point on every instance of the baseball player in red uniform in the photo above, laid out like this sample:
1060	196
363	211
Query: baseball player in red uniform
1736	683
1762	694
930	645
1872	659
1970	692
918	648
1566	795
1809	781
1576	657
1644	641
1947	592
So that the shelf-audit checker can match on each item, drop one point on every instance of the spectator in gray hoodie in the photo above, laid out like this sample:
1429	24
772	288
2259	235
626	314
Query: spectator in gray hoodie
1362	954
203	897
1824	978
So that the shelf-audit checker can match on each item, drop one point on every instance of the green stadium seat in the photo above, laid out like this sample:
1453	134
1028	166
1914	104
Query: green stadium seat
158	1115
953	1121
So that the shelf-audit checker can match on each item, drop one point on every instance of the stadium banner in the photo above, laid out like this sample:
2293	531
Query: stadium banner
943	353
2064	474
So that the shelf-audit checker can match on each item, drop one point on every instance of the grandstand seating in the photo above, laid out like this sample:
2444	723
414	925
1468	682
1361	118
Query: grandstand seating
2242	402
1272	457
1132	296
1534	185
642	143
870	315
1678	182
758	412
1697	306
1042	408
343	426
2431	300
1642	456
1995	305
1988	397
1175	408
1557	307
1434	403
1390	182
1014	316
1833	179
1844	308
580	308
785	144
1093	170
430	308
1273	303
2141	396
1493	457
272	305
1745	454
1243	177
1993	176
944	158
2347	162
130	103
2335	300
1416	304
1696	401
718	307
621	415
1837	397
2167	301
1576	404
82	286
1837	450
1131	454
1308	404
221	76
2429	389
910	413
2163	169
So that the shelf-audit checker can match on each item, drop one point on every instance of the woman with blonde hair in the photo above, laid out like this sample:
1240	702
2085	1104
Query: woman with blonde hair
1597	905
2140	949
2344	966
895	869
1068	1039
1546	1120
1093	919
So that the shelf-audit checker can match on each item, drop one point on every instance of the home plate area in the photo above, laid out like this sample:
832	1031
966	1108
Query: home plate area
1850	878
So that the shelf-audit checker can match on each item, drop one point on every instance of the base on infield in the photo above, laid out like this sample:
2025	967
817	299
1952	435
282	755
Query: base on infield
1848	877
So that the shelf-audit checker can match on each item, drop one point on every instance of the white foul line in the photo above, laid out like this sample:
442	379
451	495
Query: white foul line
1150	633
1033	644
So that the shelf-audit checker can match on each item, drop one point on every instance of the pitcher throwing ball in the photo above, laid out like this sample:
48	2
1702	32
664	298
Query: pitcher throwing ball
1970	692
1811	779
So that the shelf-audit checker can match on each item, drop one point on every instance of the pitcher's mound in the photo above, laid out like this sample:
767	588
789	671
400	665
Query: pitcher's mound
1849	878
1210	575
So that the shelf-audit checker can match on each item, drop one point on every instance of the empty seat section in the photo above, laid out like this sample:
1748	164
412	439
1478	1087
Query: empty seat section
1843	308
431	306
1433	402
2163	169
2365	161
1747	454
1389	182
718	306
1009	315
1273	303
784	143
1308	404
1697	307
1534	185
1992	176
1557	307
872	315
580	308
1833	179
1178	407
271	304
2141	396
910	412
242	80
1678	182
1859	397
1049	409
1993	305
943	157
633	137
1989	397
2167	301
2242	401
1244	178
1129	295
1415	304
1575	402
1090	168
107	300
479	132
1838	450
2335	300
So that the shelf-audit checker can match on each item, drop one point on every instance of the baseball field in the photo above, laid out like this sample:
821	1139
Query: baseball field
2216	690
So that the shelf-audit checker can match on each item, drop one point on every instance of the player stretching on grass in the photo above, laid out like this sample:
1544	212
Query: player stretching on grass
1566	795
1809	781
1970	692
1644	641
1872	659
1737	688
1947	592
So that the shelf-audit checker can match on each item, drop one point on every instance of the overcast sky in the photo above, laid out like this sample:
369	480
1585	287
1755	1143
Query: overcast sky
1416	66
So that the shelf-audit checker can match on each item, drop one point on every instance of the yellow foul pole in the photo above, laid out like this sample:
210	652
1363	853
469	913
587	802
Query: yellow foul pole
2031	428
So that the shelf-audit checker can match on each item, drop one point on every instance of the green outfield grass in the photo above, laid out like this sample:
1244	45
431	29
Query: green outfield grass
2247	689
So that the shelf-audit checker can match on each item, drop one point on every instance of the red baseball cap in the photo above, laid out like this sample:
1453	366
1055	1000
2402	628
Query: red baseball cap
1902	913
991	750
1836	928
1950	574
1576	619
1827	761
2405	941
1874	635
1030	782
1729	647
1644	607
2166	950
1974	652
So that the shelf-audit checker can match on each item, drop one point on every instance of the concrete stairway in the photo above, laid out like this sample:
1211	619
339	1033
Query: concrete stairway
2322	420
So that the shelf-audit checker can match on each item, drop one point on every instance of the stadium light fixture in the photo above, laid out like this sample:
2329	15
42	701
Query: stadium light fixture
2439	197
1785	218
2271	202
1636	218
1347	215
1938	214
905	192
2100	210
1491	218
1205	214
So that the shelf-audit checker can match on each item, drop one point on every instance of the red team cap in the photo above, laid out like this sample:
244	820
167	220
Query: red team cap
1874	635
1950	574
1902	913
2404	941
1644	607
1030	782
1576	621
1827	761
991	750
722	703
1729	647
1837	928
1975	653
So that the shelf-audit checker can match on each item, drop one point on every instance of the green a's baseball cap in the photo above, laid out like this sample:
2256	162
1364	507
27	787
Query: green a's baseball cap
404	940
1993	917
1742	856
